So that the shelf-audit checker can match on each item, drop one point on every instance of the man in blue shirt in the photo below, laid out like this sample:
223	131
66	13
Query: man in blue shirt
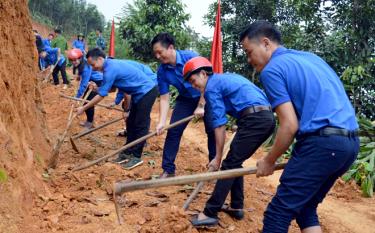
100	42
53	58
86	74
80	44
234	95
47	41
312	106
123	96
143	91
188	102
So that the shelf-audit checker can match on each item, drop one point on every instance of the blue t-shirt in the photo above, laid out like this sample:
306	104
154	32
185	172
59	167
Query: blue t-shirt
126	77
51	57
145	69
172	75
100	42
88	74
46	43
230	93
314	89
79	44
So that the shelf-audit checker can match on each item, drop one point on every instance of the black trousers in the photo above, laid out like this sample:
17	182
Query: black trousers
55	73
91	111
75	69
253	130
138	122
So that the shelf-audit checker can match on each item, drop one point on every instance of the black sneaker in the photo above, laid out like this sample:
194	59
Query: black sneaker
122	158
132	163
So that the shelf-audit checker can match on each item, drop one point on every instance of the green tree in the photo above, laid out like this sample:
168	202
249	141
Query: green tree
72	16
144	19
341	32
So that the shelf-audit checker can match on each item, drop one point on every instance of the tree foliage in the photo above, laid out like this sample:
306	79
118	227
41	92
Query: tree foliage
72	16
340	31
143	19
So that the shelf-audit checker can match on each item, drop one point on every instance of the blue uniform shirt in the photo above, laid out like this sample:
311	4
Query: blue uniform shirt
314	89
88	74
51	57
230	93
126	77
46	43
78	44
145	69
172	75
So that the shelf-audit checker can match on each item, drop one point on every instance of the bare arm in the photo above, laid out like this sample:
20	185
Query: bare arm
163	112
126	103
284	138
164	107
219	140
90	104
199	111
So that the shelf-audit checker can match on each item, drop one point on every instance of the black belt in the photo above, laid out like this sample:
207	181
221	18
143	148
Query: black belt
327	131
254	109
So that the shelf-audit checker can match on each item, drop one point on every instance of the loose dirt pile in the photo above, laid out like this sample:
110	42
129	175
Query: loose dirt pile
22	122
34	200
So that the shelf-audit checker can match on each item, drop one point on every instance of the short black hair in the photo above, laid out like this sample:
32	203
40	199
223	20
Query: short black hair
261	28
95	53
99	30
164	38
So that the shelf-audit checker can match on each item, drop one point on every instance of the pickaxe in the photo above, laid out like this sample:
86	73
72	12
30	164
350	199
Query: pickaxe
135	142
57	146
86	101
85	132
201	184
122	187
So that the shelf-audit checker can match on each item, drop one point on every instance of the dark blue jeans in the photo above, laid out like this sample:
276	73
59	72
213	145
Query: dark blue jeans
184	107
252	131
315	165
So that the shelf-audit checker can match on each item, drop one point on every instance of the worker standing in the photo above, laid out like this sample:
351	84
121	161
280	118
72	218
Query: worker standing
234	95
188	102
313	108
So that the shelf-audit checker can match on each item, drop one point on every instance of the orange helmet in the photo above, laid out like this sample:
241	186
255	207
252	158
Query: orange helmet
196	64
74	54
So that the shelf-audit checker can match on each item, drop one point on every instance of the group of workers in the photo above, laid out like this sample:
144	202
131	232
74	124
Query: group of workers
307	95
52	49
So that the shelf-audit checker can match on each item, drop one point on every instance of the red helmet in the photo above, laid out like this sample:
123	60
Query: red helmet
195	64
74	54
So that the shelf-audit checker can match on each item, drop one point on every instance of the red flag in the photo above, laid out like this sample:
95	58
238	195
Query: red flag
216	50
111	51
